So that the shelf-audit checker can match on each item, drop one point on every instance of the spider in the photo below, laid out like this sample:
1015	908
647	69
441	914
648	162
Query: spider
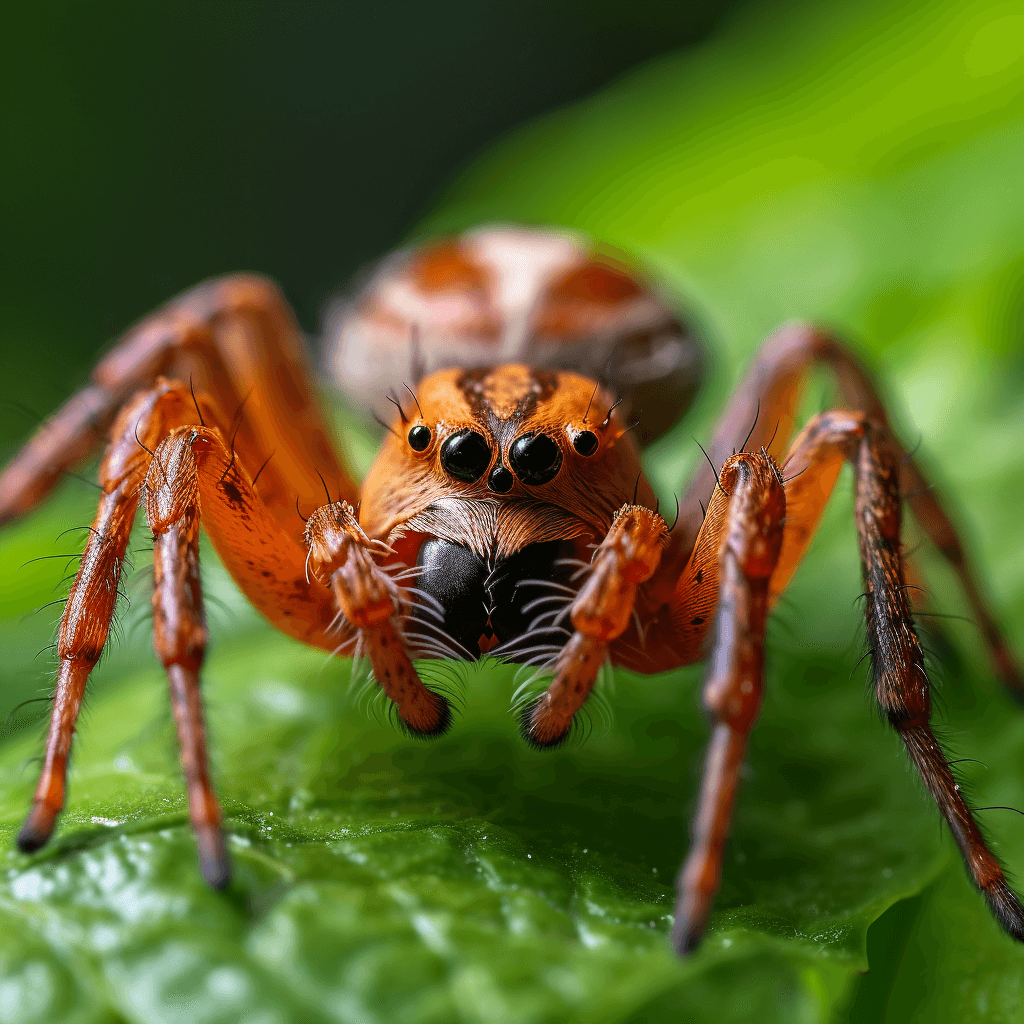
506	514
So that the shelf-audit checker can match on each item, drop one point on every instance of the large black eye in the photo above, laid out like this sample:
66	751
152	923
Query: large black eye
419	438
535	458
466	455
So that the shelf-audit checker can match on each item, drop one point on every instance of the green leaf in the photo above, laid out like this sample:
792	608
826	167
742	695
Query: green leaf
381	876
841	163
972	972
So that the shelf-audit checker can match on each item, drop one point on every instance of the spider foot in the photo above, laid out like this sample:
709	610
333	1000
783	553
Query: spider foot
542	729
1005	907
214	862
434	717
38	828
687	931
546	722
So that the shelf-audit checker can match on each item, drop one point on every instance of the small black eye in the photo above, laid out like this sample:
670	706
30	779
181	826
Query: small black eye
466	455
535	458
419	438
501	480
585	442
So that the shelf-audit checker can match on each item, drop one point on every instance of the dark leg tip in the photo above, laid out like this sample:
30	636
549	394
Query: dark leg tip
441	724
217	875
38	828
685	936
214	862
690	920
31	839
528	729
685	944
1006	908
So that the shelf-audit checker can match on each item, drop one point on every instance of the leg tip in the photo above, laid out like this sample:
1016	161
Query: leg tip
30	839
1006	908
214	862
684	940
435	724
38	828
691	921
539	734
217	874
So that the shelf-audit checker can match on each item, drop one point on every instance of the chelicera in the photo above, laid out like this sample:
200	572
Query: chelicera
507	513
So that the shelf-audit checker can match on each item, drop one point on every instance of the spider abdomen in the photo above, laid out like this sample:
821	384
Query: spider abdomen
550	299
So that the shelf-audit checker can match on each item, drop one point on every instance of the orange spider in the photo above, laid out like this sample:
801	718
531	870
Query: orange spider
507	512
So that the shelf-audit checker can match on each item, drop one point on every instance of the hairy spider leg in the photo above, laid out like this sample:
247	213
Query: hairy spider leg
85	622
747	592
763	406
740	565
341	556
180	636
182	466
751	506
601	611
237	340
901	682
325	590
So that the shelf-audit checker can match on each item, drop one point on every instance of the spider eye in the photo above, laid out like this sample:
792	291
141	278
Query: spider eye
535	458
585	442
466	455
419	438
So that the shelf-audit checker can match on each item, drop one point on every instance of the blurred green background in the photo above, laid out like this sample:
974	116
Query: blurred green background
855	164
148	146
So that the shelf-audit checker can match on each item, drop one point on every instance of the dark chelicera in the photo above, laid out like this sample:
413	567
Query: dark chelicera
493	604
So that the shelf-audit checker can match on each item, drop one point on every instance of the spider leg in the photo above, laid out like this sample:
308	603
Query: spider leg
85	623
901	684
237	340
179	636
601	612
751	508
185	467
762	411
341	557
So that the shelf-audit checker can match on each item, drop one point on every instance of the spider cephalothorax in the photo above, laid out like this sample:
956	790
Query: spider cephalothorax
502	452
507	513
